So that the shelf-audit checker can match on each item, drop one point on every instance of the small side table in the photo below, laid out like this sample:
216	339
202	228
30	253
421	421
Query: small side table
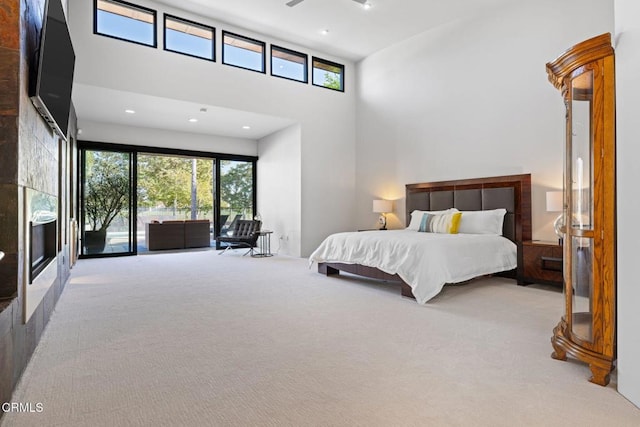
542	262
264	243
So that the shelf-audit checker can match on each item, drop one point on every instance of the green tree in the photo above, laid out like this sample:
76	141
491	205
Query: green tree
332	80
205	185
167	181
236	186
107	187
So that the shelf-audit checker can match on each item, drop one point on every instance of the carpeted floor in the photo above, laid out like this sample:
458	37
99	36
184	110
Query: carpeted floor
197	339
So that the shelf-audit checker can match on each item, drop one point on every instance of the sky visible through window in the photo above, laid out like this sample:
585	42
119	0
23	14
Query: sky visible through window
242	57
288	69
189	44
126	28
135	30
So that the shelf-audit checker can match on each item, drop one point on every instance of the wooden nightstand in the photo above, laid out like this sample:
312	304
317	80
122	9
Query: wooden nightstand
542	262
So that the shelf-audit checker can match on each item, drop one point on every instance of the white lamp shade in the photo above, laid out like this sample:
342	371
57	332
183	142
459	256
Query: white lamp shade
382	206
554	201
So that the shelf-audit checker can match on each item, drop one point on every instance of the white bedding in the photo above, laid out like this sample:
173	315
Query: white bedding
426	261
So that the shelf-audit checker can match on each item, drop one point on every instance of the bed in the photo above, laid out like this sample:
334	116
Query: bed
424	262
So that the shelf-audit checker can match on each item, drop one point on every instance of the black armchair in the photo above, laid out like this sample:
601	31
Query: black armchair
245	235
224	230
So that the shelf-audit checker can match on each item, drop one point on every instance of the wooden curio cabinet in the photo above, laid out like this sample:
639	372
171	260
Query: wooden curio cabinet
585	75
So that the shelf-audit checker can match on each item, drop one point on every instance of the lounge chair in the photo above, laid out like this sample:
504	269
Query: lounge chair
245	235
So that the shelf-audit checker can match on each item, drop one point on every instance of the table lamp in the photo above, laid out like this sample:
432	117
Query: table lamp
382	207
555	204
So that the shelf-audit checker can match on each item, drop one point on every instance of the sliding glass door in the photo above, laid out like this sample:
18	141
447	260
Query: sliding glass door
237	193
106	203
124	188
173	188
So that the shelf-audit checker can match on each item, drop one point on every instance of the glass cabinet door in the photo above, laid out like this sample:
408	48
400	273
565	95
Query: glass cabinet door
579	218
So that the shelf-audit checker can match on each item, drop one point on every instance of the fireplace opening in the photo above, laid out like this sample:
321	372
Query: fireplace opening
42	246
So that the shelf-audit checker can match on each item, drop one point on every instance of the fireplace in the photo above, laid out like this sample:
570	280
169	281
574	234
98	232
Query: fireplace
42	246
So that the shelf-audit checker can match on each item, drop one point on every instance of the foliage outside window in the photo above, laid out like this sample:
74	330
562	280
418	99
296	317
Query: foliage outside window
107	187
328	74
243	52
172	187
288	64
125	21
106	202
189	38
236	188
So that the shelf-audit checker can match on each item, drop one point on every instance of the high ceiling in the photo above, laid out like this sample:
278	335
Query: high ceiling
353	33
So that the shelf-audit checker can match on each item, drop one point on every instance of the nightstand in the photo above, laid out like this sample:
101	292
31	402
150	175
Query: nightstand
542	262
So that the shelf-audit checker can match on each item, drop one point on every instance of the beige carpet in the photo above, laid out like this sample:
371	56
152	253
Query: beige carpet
197	339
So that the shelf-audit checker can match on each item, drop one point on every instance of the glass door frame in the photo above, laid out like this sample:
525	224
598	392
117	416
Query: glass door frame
218	192
83	147
135	150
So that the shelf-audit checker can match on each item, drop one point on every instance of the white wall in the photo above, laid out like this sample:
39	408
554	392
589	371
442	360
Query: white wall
627	14
470	99
326	117
279	188
121	134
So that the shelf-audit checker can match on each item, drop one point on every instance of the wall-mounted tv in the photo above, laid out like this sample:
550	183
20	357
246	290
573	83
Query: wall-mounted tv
50	88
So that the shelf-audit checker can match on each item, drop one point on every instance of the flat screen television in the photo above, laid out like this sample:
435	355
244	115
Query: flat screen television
50	87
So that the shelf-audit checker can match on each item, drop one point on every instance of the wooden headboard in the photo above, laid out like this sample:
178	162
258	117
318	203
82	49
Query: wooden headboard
511	192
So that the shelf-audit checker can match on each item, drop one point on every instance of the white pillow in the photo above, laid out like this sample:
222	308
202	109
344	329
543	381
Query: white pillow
482	222
416	217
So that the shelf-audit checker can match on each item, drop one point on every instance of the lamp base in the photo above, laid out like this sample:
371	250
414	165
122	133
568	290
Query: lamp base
382	220
558	226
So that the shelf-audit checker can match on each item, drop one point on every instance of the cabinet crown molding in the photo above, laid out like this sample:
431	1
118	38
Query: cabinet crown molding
576	56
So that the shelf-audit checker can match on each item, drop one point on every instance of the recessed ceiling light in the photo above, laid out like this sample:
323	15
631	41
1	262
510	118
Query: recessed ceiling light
324	32
130	111
193	120
246	127
366	6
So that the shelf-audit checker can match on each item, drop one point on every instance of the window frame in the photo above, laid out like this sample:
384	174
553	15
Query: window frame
331	64
295	53
131	6
187	21
248	39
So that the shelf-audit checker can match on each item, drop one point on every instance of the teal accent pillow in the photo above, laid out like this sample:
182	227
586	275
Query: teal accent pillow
444	223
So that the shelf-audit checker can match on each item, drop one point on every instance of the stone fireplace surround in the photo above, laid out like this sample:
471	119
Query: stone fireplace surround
31	156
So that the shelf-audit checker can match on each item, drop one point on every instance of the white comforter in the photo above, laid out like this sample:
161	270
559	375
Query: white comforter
426	261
